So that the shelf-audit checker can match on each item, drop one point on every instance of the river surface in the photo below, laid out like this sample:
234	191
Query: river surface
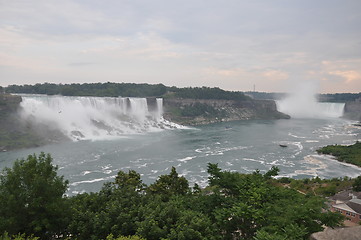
242	146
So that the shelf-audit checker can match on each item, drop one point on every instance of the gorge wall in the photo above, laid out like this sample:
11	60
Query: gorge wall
16	133
205	111
35	120
352	110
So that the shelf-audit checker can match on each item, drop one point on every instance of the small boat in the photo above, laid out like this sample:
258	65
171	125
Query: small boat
282	145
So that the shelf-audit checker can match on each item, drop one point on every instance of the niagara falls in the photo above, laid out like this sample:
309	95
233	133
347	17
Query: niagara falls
108	134
180	120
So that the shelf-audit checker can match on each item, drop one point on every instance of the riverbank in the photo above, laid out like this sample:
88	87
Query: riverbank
349	154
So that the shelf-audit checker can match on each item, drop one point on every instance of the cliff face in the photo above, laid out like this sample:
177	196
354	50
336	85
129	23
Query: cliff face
9	103
205	111
352	110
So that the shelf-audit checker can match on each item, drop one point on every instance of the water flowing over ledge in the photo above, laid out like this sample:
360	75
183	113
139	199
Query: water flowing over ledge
311	109
95	118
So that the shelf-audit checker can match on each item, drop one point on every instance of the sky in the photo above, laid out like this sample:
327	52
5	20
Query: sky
238	45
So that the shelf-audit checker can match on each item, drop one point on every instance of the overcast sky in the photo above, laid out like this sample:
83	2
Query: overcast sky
276	45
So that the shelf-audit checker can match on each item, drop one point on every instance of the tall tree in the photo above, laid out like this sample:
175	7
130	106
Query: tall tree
32	198
171	184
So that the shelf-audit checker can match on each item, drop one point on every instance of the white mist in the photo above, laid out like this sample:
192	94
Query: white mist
302	102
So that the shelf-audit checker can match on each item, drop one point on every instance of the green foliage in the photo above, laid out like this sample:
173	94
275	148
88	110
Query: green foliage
290	232
31	196
320	187
113	210
173	219
168	185
111	237
251	203
92	89
340	97
126	90
129	180
356	186
350	154
232	206
17	237
208	93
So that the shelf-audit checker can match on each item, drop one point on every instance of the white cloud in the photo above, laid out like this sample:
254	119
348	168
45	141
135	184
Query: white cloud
349	76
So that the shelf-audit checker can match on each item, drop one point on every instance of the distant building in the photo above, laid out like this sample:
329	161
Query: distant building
348	203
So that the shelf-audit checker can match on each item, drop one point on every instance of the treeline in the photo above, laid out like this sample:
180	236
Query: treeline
92	89
125	90
158	90
266	95
232	206
207	93
339	97
330	97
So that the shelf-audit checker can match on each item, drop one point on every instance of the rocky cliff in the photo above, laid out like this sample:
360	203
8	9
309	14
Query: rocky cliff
17	133
352	110
205	111
9	103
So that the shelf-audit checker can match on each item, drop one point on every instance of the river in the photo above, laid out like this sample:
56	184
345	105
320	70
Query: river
242	146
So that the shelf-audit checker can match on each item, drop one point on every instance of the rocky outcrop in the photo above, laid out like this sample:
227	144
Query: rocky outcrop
205	111
352	110
9	103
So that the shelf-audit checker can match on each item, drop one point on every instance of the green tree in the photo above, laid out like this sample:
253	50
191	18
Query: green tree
252	205
111	237
32	198
356	186
129	180
113	210
19	236
171	184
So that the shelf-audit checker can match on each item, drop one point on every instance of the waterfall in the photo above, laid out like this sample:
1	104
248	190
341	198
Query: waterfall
311	109
92	118
159	108
333	110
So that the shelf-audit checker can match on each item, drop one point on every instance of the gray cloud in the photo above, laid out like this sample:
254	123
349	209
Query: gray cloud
231	44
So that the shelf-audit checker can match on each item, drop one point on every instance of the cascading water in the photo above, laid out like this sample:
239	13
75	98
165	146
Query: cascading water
301	102
311	109
91	118
159	108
